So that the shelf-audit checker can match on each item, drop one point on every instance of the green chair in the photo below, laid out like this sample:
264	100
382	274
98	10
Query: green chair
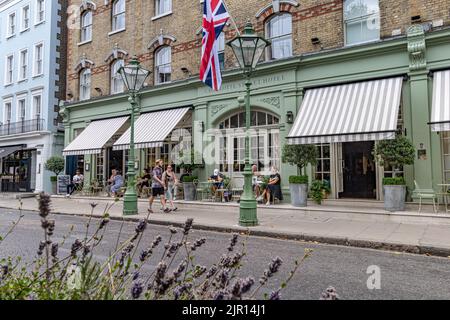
424	195
202	189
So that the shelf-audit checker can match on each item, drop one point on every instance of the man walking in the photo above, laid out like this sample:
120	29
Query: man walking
158	187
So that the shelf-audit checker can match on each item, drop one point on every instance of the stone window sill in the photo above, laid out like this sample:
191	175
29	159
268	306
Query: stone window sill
116	31
168	13
84	42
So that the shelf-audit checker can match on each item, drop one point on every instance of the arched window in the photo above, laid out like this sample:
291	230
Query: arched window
118	15
361	21
85	84
264	142
86	26
279	32
117	85
163	65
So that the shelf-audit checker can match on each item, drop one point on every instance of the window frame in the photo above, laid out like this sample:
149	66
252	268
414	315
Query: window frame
360	19
115	76
34	96
158	66
115	15
19	111
268	32
38	12
23	63
84	28
36	62
85	86
159	13
9	73
7	102
11	24
24	28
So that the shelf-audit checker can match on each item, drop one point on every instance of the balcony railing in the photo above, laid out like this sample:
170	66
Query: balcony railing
23	126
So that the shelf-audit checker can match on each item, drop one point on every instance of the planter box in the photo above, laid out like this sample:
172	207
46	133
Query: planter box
394	198
189	191
299	195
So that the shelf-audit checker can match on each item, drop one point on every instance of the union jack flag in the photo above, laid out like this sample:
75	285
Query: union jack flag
215	16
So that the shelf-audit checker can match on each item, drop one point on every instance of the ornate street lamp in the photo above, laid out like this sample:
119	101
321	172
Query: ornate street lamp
133	76
248	49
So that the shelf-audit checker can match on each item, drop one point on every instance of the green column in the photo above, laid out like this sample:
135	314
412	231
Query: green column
130	205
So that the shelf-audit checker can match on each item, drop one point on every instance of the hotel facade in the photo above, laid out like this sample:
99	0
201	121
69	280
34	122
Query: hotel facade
32	52
340	74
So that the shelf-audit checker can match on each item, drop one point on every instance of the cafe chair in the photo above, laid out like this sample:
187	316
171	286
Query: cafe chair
424	195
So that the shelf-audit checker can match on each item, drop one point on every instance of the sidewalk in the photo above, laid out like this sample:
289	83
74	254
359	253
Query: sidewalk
359	226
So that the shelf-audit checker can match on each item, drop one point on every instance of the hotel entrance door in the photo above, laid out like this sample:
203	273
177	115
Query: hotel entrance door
358	170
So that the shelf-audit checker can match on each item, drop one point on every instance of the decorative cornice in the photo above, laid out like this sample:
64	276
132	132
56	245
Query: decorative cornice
417	48
84	63
276	5
87	5
116	53
161	39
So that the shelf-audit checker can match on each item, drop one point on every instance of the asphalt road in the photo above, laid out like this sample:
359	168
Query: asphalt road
402	276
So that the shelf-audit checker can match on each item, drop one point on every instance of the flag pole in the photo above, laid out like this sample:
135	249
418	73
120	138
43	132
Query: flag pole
232	19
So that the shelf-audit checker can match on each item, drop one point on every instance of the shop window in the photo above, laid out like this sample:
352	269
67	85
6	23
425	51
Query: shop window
100	167
323	167
361	21
279	32
446	155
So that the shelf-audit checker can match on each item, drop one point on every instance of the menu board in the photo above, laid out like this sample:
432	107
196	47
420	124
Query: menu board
62	183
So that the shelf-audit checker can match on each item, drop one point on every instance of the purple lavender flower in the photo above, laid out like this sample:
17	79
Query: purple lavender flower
187	226
274	266
42	245
103	223
247	284
54	250
173	230
136	290
220	295
198	243
141	226
51	227
199	271
44	204
275	295
212	271
76	246
135	276
233	242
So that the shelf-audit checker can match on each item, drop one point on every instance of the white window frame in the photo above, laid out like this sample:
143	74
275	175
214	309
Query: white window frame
9	72
20	98
158	64
84	28
11	24
269	50
115	15
23	64
372	15
24	18
35	61
159	9
221	49
34	95
116	78
85	87
37	19
6	102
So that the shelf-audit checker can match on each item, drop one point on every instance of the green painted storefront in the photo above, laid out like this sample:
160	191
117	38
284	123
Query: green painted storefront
279	87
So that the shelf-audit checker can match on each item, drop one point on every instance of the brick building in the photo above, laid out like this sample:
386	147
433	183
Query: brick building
315	44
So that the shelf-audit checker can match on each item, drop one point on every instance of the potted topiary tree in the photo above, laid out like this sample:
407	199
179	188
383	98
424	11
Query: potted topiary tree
396	153
54	164
299	156
189	181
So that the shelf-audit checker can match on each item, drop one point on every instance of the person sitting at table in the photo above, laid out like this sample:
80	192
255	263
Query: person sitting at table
273	188
115	182
144	181
217	180
77	183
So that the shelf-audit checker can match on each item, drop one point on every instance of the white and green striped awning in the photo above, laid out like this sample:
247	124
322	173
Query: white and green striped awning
362	111
93	139
151	129
440	115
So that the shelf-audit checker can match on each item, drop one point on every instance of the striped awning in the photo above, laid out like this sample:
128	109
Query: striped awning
363	111
440	116
96	135
151	129
6	151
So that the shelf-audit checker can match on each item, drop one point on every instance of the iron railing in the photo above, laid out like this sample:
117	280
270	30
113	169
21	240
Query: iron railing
23	126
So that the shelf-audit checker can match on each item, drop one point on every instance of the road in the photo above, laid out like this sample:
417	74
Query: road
403	276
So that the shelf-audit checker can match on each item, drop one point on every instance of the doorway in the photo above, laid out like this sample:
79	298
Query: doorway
358	171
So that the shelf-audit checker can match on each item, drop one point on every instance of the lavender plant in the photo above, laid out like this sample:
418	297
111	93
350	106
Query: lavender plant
79	275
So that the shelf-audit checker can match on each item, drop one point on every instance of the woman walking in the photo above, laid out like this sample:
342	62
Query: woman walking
170	180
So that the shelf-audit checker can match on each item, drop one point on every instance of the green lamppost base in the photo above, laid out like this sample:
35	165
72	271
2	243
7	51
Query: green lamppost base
130	206
248	204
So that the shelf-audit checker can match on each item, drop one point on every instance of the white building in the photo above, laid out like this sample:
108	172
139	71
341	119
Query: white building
30	64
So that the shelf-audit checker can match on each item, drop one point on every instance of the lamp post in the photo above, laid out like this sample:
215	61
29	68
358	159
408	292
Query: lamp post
248	49
133	76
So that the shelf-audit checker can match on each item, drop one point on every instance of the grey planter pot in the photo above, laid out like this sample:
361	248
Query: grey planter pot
394	198
189	191
299	195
